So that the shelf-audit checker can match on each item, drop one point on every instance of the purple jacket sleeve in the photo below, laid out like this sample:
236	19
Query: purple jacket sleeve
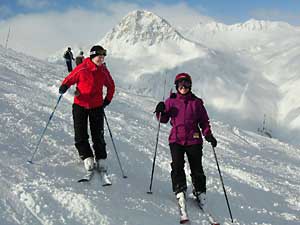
164	117
204	120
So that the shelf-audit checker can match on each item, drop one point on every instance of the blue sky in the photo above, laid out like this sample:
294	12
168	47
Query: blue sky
43	27
227	11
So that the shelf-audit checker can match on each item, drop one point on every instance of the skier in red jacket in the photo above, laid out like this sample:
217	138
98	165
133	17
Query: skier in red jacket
90	77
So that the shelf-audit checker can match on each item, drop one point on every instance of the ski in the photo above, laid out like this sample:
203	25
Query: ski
87	177
207	214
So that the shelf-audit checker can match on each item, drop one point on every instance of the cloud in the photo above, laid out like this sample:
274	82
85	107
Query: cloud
42	34
276	15
33	4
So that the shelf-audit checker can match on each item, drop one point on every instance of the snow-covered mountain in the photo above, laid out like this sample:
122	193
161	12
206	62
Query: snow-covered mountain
273	48
142	26
142	33
250	25
228	63
145	43
261	175
239	36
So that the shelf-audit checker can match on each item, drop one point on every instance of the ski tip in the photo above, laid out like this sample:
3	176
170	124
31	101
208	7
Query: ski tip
82	180
186	221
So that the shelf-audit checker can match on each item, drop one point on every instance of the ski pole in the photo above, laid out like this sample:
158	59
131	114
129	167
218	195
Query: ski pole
39	142
156	144
221	178
112	140
154	158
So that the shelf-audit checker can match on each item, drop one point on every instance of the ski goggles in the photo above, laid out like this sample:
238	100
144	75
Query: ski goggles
184	83
100	52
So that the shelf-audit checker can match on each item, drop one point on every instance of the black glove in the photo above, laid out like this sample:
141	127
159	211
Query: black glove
211	139
160	108
76	92
62	89
106	102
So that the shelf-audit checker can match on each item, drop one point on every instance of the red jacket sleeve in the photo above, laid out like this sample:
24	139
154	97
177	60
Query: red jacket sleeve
73	77
110	85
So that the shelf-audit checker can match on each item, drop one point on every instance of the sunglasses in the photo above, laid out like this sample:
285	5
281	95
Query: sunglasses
184	84
101	52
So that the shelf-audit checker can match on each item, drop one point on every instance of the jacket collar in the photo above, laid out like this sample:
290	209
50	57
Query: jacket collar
90	65
188	96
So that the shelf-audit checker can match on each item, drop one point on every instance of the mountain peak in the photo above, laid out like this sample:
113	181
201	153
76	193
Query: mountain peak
261	25
142	26
252	25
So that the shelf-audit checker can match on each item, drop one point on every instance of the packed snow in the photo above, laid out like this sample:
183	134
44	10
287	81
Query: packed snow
261	174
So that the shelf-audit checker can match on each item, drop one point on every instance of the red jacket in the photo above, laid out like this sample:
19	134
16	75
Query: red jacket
90	80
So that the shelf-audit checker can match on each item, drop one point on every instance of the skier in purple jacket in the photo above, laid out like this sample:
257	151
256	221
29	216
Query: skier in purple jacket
187	114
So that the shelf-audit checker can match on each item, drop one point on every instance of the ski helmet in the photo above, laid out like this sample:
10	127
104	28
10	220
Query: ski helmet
182	76
185	78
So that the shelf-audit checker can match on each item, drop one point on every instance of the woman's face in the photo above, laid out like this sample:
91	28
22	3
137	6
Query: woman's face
184	86
183	90
98	60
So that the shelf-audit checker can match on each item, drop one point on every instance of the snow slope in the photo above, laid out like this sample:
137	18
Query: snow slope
261	175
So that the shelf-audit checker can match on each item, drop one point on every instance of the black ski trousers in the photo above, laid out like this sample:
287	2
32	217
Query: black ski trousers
194	155
69	65
95	116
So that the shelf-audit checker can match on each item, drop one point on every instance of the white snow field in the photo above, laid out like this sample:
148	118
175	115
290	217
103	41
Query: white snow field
261	175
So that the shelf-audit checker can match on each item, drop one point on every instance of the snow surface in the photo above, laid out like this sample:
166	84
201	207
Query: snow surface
261	175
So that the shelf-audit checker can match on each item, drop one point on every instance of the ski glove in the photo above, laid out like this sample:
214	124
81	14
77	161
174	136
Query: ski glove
106	102
160	108
211	139
76	92
62	89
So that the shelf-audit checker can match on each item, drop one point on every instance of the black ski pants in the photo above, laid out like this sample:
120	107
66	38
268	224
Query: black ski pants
95	116
194	155
69	65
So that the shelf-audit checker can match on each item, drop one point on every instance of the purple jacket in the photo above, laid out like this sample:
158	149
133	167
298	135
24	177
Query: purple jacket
187	114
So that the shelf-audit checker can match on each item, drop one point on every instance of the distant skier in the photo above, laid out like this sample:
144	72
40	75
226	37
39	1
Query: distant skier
90	77
187	113
68	55
79	59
